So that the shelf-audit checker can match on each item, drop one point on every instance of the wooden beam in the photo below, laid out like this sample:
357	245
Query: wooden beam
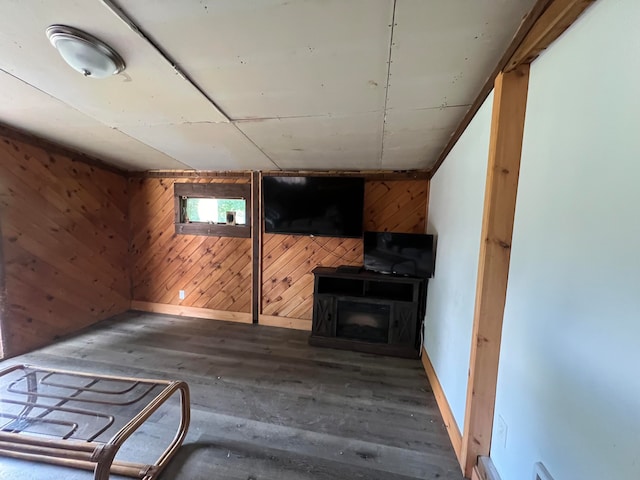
367	174
539	28
256	244
189	174
212	189
3	296
213	230
552	23
525	27
380	175
505	147
55	148
443	406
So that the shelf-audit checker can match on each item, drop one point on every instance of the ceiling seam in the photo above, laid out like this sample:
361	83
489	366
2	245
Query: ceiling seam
386	92
112	127
256	145
122	15
439	107
313	115
117	129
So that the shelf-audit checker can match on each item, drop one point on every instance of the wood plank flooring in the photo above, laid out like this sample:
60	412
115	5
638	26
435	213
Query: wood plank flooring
265	405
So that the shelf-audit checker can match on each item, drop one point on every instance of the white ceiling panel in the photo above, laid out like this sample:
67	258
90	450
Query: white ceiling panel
444	50
35	111
273	58
323	143
304	80
405	158
414	138
149	92
205	146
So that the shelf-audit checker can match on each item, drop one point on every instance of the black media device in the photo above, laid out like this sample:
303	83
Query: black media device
409	254
320	206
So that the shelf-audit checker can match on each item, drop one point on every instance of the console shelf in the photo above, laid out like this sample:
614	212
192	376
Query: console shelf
367	311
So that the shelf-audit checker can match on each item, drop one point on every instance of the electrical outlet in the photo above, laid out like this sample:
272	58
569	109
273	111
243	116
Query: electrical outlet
181	294
501	432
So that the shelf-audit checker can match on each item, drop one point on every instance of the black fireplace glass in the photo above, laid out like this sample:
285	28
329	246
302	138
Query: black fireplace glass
363	321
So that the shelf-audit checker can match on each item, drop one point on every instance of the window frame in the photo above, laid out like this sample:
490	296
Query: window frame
213	190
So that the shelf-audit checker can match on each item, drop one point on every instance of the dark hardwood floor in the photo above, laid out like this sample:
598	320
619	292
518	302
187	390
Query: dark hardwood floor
265	405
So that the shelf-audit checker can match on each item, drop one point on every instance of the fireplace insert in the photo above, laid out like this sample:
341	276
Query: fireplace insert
363	321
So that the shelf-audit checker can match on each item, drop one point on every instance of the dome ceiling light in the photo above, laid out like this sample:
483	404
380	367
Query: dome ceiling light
85	53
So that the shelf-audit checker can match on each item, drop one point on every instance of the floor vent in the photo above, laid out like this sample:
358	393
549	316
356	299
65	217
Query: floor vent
541	473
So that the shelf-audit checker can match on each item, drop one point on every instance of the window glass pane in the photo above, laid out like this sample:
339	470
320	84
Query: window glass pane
214	210
232	205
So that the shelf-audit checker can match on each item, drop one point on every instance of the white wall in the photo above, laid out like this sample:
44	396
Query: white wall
569	377
456	201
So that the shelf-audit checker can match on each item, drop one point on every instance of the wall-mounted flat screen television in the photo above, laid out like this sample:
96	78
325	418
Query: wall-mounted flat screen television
399	253
321	206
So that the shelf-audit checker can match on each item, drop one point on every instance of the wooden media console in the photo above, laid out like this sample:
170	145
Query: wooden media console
354	309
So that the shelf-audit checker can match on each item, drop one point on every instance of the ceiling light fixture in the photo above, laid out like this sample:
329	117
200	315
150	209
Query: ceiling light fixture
85	53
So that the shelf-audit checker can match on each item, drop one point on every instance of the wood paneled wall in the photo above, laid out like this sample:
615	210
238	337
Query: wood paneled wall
64	242
80	245
214	272
287	282
396	206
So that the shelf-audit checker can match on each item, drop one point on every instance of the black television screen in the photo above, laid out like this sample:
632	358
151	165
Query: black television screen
322	206
399	253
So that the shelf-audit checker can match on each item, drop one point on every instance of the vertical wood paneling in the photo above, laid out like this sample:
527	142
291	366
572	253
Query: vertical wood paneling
65	244
287	260
214	272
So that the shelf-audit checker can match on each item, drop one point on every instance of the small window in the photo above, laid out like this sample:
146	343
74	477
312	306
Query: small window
216	209
231	211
